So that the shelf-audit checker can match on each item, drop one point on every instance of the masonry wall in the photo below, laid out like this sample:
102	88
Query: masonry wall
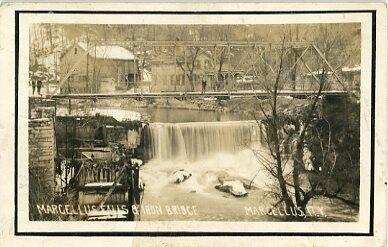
41	163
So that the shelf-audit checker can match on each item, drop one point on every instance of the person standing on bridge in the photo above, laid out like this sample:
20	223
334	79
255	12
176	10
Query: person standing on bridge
203	85
33	86
39	85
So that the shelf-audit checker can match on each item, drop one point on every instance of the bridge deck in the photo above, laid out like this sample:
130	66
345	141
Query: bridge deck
247	93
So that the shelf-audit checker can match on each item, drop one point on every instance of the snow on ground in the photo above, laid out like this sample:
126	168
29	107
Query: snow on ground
118	114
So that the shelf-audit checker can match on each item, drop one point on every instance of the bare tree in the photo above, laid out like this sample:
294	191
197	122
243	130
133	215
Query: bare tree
187	64
290	132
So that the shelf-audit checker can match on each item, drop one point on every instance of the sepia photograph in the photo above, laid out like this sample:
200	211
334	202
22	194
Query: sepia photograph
183	124
194	122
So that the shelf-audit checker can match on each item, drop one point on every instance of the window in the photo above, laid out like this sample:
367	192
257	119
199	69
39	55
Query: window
75	50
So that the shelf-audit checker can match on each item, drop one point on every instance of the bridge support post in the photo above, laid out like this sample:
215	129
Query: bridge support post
175	78
215	76
185	77
130	215
69	106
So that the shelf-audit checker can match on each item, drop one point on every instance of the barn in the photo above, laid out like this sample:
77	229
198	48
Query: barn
90	68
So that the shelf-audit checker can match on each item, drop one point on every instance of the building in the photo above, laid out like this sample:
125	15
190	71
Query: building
170	75
351	76
98	69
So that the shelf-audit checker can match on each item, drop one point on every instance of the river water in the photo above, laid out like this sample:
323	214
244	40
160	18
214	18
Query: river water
208	145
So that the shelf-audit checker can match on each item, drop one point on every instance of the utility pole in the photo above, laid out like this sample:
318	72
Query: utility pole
87	63
229	66
175	79
253	64
185	69
215	77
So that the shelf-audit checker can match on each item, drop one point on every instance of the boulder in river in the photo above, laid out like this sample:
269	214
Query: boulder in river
224	176
180	176
234	187
137	162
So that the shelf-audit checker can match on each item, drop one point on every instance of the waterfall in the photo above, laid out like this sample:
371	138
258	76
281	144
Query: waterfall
195	140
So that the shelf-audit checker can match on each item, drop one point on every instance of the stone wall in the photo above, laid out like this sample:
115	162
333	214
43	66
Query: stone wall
41	162
41	108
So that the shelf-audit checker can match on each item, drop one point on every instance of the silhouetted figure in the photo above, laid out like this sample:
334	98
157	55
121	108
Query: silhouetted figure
129	80
33	87
39	86
203	85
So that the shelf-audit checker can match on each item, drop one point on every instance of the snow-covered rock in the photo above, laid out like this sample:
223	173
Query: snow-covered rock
137	162
224	176
289	127
180	176
235	187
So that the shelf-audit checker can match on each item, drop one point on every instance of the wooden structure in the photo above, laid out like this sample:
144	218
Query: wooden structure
95	163
97	68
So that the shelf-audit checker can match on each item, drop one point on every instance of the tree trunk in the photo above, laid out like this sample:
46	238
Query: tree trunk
279	170
296	171
191	79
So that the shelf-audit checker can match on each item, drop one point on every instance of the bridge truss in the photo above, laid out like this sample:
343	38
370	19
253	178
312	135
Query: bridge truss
229	66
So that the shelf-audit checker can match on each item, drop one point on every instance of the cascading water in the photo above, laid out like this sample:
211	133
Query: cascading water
208	151
196	140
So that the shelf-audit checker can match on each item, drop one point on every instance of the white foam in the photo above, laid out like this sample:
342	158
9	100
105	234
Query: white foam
205	172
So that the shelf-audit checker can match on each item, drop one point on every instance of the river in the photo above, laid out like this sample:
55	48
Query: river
210	145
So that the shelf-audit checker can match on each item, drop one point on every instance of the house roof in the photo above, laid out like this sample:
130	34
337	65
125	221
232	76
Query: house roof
109	52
